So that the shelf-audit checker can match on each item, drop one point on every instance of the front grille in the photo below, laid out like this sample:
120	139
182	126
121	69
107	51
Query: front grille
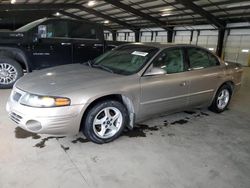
16	96
16	118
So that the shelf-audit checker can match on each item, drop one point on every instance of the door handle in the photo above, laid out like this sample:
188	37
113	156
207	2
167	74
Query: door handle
183	83
98	45
65	43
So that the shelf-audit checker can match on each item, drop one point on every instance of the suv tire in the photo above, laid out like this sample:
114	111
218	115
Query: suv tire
10	72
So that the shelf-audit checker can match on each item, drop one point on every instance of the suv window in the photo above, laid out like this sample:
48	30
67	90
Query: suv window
199	58
56	29
171	60
79	30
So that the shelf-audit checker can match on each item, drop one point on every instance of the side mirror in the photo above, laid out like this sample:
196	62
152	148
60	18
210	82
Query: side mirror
155	71
42	32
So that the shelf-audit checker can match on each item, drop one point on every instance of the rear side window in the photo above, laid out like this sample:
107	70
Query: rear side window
199	58
82	30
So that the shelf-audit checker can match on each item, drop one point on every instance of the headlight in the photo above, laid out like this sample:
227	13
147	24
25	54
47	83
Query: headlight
44	101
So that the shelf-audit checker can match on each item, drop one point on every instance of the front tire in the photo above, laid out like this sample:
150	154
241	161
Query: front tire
221	99
105	121
10	72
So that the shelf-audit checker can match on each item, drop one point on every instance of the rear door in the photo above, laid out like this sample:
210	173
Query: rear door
87	41
205	74
53	47
168	92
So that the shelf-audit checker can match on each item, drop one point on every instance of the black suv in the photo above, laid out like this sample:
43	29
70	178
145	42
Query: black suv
45	43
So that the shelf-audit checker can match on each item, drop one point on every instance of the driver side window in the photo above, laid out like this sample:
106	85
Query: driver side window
53	30
170	60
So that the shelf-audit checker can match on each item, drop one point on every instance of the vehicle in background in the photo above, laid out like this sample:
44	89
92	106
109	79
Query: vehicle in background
123	86
48	42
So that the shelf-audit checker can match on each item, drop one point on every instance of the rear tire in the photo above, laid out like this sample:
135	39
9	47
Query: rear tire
105	121
221	99
10	72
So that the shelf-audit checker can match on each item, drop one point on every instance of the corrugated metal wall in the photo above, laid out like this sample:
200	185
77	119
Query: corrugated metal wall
237	46
236	42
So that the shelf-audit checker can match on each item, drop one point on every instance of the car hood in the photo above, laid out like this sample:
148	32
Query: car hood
11	37
62	79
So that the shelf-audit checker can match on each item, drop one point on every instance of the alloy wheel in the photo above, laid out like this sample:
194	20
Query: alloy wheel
107	122
8	74
223	99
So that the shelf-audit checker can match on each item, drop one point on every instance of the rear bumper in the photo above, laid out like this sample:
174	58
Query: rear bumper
55	121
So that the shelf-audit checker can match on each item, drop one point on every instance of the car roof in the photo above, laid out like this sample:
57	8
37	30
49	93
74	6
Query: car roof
164	45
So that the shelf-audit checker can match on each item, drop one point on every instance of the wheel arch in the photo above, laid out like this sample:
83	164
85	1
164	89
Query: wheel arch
126	101
229	83
16	54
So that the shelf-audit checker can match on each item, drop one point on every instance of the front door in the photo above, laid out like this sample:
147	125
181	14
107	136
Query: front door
50	52
167	92
53	46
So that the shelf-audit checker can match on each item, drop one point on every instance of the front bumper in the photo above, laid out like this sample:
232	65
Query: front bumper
56	121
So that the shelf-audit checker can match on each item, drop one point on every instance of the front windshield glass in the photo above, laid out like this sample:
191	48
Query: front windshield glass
29	26
127	59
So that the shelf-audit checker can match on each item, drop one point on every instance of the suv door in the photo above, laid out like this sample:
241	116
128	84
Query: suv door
53	47
86	40
205	74
168	92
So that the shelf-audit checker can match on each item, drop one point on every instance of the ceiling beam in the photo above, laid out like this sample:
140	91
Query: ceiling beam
64	6
197	9
106	17
139	13
36	6
80	18
72	15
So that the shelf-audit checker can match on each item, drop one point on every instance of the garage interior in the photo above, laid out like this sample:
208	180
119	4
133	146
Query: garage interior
195	148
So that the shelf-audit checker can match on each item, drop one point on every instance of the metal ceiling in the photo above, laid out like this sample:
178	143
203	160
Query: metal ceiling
131	14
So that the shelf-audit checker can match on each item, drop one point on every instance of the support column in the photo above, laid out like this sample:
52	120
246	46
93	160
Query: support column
170	36
221	34
137	35
191	37
114	35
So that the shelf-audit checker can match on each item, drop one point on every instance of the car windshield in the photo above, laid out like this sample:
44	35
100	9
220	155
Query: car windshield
29	26
125	60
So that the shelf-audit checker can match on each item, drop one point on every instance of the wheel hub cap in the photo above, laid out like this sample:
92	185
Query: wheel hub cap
8	74
107	122
223	99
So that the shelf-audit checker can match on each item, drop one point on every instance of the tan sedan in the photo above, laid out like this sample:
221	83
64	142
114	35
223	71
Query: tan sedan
126	85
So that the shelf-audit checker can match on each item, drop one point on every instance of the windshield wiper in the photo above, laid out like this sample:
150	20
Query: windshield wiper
103	67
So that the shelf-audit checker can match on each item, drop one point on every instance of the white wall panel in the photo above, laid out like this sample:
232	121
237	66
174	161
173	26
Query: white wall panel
237	48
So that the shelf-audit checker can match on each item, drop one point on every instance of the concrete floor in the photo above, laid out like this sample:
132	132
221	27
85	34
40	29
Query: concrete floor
190	149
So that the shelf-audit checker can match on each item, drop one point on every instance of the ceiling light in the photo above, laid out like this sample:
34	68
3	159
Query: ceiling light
238	5
245	50
211	49
166	14
166	9
106	21
13	1
58	14
91	3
